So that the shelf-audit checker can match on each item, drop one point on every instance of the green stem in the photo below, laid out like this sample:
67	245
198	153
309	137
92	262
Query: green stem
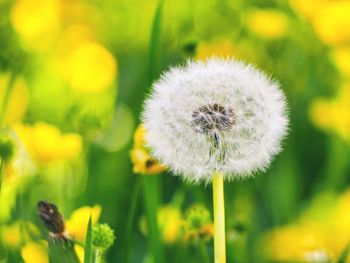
151	196
204	251
131	217
155	46
2	166
337	164
98	255
7	94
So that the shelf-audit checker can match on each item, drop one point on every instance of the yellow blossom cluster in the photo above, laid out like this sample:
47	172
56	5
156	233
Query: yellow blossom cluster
333	114
330	19
317	235
267	24
46	143
66	42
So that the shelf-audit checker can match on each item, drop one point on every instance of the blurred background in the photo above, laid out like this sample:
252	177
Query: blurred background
73	76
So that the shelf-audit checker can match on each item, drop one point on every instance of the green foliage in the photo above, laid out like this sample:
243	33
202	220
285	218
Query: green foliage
61	250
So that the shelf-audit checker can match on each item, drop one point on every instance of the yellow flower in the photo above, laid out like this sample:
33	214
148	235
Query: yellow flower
46	143
333	114
341	216
90	68
320	113
36	21
77	224
267	23
331	23
322	232
35	252
169	218
298	243
341	57
307	8
169	221
18	98
18	232
143	162
80	252
220	48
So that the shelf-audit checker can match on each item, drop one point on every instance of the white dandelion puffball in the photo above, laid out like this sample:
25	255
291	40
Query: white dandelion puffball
217	115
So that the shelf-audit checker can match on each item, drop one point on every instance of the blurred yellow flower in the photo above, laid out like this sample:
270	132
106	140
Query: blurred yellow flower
90	68
341	57
15	234
320	113
80	252
267	23
36	21
333	114
73	36
46	143
332	24
341	215
76	225
222	48
18	98
143	162
170	223
307	8
35	252
320	235
298	243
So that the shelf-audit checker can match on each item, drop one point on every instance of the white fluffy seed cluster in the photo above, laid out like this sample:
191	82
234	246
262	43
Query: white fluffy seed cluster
217	115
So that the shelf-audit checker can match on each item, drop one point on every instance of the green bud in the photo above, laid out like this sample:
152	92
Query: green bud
196	217
102	236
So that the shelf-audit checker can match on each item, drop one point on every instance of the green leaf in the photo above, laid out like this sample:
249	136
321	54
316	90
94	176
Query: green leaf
61	250
155	46
344	255
88	243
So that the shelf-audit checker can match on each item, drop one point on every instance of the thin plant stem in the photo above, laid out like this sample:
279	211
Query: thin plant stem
2	165
131	217
98	254
219	218
6	97
151	193
204	251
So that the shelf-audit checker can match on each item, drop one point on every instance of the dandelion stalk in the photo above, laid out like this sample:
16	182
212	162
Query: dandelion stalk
219	218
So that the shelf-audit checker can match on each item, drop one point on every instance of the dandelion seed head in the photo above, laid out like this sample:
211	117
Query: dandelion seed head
216	115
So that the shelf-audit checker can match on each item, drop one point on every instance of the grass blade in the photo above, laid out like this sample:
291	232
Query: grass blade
88	243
